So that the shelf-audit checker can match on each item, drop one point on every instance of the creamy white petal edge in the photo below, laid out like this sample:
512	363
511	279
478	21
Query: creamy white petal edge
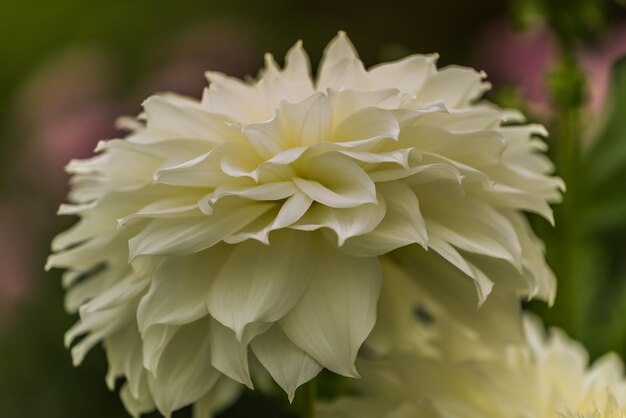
266	208
547	376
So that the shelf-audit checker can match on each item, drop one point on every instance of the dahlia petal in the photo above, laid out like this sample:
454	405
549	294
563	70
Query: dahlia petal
339	49
84	256
482	283
179	288
169	151
542	279
347	102
467	223
261	283
173	119
234	98
336	181
474	238
346	222
502	196
366	126
267	138
229	355
475	149
447	251
408	74
292	210
180	383
115	295
270	191
124	354
454	86
464	120
403	225
193	234
222	394
205	170
396	326
155	340
140	404
165	208
95	284
418	174
399	157
298	66
308	122
96	326
338	309
293	83
289	365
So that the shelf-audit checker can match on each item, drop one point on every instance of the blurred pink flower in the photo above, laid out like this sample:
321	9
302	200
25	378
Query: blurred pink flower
224	46
523	60
63	110
19	223
597	60
519	59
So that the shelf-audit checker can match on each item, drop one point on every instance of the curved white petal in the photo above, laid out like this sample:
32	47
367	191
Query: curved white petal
337	50
483	284
289	365
338	309
137	404
205	170
193	234
308	122
347	222
180	287
165	208
173	119
292	210
221	395
454	86
366	126
261	283
155	341
234	98
402	225
297	66
115	295
347	102
468	223
408	74
336	181
230	355
180	383
124	354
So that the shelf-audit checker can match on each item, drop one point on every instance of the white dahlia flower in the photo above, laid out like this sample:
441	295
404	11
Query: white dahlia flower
547	377
256	218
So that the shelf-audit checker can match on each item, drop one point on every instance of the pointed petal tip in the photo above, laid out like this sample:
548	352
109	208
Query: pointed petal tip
100	146
110	381
78	355
353	373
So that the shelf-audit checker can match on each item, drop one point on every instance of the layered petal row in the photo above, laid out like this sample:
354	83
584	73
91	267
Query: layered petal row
261	221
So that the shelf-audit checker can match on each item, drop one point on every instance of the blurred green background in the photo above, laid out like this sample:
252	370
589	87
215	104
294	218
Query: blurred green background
70	68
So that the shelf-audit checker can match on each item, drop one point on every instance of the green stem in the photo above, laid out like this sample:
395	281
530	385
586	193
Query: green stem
568	96
306	399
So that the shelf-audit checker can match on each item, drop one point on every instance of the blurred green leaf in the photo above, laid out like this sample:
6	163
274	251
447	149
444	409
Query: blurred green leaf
605	165
571	20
